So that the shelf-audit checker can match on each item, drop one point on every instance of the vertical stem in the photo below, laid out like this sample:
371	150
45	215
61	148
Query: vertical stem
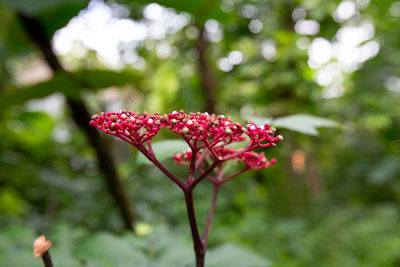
198	246
192	167
210	214
47	259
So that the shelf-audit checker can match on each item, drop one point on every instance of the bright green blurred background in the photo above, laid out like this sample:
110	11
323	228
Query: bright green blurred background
333	197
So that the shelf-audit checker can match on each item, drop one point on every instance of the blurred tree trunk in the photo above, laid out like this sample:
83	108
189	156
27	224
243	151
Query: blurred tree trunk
81	116
207	77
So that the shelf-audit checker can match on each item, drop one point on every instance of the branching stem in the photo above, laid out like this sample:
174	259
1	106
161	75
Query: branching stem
210	215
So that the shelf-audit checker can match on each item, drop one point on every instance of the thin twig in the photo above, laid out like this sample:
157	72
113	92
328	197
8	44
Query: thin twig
192	166
153	159
201	158
204	174
233	175
210	215
150	148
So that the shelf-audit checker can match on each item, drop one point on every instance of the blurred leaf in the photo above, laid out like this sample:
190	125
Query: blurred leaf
234	256
302	123
106	249
164	150
385	171
69	84
16	247
34	7
260	120
10	202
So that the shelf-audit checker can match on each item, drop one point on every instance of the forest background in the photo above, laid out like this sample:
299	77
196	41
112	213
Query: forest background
325	73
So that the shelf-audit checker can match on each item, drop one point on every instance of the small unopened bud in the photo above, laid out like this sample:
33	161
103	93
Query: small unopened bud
174	121
228	131
40	246
272	129
185	130
280	137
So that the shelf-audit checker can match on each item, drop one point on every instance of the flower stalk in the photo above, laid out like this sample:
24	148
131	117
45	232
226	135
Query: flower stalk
208	137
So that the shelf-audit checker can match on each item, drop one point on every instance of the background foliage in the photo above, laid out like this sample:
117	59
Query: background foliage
325	73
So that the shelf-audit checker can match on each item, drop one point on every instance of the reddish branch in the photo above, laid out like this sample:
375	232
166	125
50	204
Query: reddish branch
207	136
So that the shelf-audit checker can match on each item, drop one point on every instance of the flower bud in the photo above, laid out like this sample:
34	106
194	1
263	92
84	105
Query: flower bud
185	130
150	122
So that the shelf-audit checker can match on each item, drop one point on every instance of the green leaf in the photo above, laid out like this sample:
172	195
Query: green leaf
69	84
16	247
260	120
302	123
234	256
110	250
164	150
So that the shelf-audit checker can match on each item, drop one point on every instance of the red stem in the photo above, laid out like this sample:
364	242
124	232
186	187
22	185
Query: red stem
233	175
150	148
198	245
192	166
201	158
204	174
153	159
210	215
250	147
47	259
208	176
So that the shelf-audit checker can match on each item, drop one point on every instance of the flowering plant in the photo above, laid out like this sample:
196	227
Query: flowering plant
208	137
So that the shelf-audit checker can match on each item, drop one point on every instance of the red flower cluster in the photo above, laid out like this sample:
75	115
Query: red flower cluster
209	129
130	126
252	160
212	130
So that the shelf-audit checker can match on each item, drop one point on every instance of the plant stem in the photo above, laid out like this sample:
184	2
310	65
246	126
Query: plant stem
233	175
204	174
153	159
198	245
210	215
47	259
192	166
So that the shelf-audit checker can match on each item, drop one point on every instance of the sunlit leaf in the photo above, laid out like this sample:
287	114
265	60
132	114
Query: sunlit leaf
302	123
260	120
